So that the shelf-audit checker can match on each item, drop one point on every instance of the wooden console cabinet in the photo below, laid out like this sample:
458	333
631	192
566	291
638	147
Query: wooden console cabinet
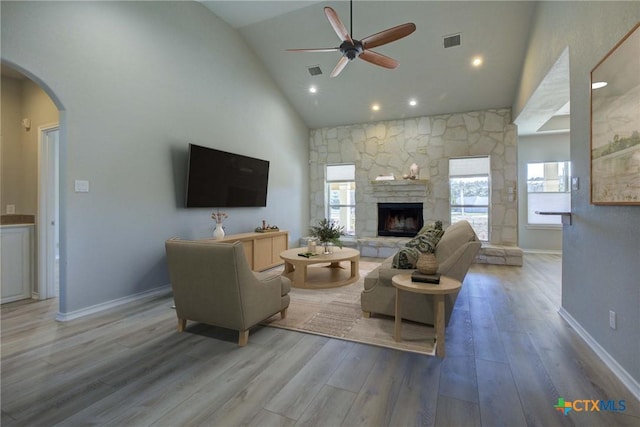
262	249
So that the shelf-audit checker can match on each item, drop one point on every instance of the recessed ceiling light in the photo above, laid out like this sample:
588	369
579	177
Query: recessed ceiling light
477	61
598	85
375	107
313	89
413	102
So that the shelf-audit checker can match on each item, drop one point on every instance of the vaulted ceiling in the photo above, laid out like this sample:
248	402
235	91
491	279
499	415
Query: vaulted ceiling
440	80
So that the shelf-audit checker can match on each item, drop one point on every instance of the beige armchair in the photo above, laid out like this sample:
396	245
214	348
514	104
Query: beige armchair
212	283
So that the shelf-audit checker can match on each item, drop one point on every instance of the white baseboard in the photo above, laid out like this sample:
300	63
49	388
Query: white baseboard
65	317
618	371
542	251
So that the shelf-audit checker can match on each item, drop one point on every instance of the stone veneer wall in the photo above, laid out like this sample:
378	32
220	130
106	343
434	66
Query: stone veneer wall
389	147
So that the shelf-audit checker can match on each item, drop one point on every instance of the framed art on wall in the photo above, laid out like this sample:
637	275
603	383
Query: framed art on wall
615	124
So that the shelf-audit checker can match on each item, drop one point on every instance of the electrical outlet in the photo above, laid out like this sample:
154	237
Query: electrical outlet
11	209
612	319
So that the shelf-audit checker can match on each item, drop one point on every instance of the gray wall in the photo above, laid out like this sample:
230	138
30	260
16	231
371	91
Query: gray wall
538	149
10	149
19	173
135	82
601	249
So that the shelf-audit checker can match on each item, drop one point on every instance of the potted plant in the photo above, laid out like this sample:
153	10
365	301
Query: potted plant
328	232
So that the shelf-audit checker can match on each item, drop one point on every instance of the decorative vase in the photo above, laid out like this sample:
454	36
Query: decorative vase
427	263
414	171
326	248
218	233
311	245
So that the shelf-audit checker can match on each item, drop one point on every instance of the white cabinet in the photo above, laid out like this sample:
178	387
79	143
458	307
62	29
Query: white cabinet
16	270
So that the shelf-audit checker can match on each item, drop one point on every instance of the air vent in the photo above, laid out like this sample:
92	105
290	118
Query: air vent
315	70
452	40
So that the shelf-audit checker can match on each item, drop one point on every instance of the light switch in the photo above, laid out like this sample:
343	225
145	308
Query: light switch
575	183
81	186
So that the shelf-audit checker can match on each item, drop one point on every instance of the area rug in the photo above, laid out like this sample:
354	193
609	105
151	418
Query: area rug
336	313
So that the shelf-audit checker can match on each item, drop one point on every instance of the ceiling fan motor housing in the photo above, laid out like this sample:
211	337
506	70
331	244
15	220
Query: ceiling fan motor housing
351	51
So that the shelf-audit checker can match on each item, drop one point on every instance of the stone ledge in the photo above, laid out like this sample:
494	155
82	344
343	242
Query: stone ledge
499	255
384	247
381	247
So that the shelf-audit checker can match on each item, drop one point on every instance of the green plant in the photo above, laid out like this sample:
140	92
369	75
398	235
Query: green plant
328	232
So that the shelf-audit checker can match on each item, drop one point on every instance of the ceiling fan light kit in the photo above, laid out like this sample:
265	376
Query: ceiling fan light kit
351	48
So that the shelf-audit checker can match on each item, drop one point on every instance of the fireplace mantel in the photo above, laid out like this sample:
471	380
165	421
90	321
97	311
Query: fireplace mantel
406	188
397	182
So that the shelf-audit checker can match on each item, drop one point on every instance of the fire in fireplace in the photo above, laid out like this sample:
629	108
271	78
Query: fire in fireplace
399	219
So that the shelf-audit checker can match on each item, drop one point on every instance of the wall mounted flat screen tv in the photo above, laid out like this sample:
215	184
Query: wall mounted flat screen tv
218	179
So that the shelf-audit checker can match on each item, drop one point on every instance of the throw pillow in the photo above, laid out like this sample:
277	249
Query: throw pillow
436	225
427	241
406	258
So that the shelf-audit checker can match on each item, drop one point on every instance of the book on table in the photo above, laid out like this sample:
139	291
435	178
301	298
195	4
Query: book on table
307	254
434	279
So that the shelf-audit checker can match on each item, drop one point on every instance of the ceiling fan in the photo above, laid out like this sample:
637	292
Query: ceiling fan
352	48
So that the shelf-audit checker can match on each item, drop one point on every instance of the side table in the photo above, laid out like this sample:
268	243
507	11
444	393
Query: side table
447	285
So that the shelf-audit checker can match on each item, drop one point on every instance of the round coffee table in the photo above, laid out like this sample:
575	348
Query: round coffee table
447	285
333	276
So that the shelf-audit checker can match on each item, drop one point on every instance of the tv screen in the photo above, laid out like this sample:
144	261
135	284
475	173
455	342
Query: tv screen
218	179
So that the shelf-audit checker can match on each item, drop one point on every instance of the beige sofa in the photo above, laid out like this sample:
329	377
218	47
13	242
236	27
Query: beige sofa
455	252
212	283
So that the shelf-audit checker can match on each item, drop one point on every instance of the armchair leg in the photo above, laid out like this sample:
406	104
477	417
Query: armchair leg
283	313
182	323
243	338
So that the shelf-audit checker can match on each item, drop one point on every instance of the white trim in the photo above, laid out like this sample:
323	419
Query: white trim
45	261
542	251
557	227
618	371
65	317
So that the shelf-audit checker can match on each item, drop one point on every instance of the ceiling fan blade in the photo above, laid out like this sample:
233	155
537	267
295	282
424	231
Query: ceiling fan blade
378	59
337	25
328	49
388	35
340	66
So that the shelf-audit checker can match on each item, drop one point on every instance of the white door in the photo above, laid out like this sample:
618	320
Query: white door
48	212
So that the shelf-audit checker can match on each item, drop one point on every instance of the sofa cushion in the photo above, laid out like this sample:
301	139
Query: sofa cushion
454	237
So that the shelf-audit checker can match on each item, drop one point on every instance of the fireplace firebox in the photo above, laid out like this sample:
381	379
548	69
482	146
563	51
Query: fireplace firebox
399	219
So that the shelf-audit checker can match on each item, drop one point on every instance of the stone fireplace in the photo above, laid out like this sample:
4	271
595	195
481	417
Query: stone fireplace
399	219
390	147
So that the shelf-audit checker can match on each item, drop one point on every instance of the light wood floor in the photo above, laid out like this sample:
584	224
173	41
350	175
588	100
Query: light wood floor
509	358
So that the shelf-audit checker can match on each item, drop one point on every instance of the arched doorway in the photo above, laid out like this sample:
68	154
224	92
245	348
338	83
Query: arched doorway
35	189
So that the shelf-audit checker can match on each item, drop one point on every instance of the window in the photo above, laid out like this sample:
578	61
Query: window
341	196
548	190
469	192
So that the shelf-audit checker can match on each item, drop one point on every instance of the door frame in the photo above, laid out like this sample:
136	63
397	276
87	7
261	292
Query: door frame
46	222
